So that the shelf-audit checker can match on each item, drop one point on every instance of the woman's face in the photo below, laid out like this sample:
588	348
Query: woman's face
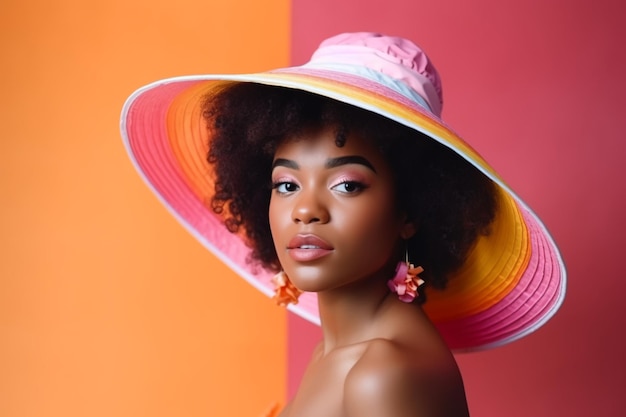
332	212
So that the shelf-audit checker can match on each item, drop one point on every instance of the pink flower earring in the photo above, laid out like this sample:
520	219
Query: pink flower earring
284	290
406	281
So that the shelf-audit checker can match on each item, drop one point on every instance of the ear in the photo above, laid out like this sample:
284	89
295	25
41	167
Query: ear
408	229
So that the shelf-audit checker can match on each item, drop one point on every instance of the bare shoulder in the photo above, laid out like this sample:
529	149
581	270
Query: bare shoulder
393	380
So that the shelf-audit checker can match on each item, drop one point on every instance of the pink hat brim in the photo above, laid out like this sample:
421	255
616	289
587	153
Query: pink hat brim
506	294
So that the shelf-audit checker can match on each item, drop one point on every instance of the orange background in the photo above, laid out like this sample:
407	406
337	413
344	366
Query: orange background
107	306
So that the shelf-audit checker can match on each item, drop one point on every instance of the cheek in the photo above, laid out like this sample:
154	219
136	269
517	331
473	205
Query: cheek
374	231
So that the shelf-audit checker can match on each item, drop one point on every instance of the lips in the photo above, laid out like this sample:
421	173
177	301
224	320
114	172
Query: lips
305	248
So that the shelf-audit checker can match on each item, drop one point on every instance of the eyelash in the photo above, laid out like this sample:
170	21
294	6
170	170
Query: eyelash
357	186
278	184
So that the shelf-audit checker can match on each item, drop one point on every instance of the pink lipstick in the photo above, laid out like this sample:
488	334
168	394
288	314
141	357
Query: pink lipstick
306	248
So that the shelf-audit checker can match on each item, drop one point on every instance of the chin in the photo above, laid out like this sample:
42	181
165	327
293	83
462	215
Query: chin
309	279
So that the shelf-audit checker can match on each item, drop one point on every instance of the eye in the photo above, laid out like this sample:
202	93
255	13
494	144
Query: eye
285	187
349	187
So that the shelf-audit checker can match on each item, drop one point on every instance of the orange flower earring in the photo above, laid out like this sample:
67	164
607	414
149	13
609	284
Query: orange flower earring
284	290
406	281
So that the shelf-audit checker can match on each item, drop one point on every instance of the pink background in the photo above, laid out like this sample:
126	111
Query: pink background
538	87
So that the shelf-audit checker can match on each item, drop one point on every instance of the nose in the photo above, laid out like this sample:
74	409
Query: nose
310	208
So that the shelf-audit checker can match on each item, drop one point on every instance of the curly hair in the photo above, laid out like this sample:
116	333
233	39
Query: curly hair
449	200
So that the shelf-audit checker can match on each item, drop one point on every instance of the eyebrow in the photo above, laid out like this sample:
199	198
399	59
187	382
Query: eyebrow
346	160
330	163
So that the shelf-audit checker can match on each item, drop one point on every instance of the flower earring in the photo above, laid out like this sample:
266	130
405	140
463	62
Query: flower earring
284	290
406	281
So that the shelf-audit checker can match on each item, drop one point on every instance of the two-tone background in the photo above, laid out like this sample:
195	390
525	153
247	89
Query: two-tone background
109	308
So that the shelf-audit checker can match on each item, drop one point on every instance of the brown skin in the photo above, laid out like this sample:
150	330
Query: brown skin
379	356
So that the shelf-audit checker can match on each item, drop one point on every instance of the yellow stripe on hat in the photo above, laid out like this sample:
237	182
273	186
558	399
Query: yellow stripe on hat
484	280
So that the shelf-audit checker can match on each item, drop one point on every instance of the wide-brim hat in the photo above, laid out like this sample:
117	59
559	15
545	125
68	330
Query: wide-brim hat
513	280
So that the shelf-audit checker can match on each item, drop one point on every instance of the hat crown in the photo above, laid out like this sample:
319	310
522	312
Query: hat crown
396	57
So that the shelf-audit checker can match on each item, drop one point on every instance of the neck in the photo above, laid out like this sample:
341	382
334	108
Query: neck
348	314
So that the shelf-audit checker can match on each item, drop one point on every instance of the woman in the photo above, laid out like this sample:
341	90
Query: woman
340	178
